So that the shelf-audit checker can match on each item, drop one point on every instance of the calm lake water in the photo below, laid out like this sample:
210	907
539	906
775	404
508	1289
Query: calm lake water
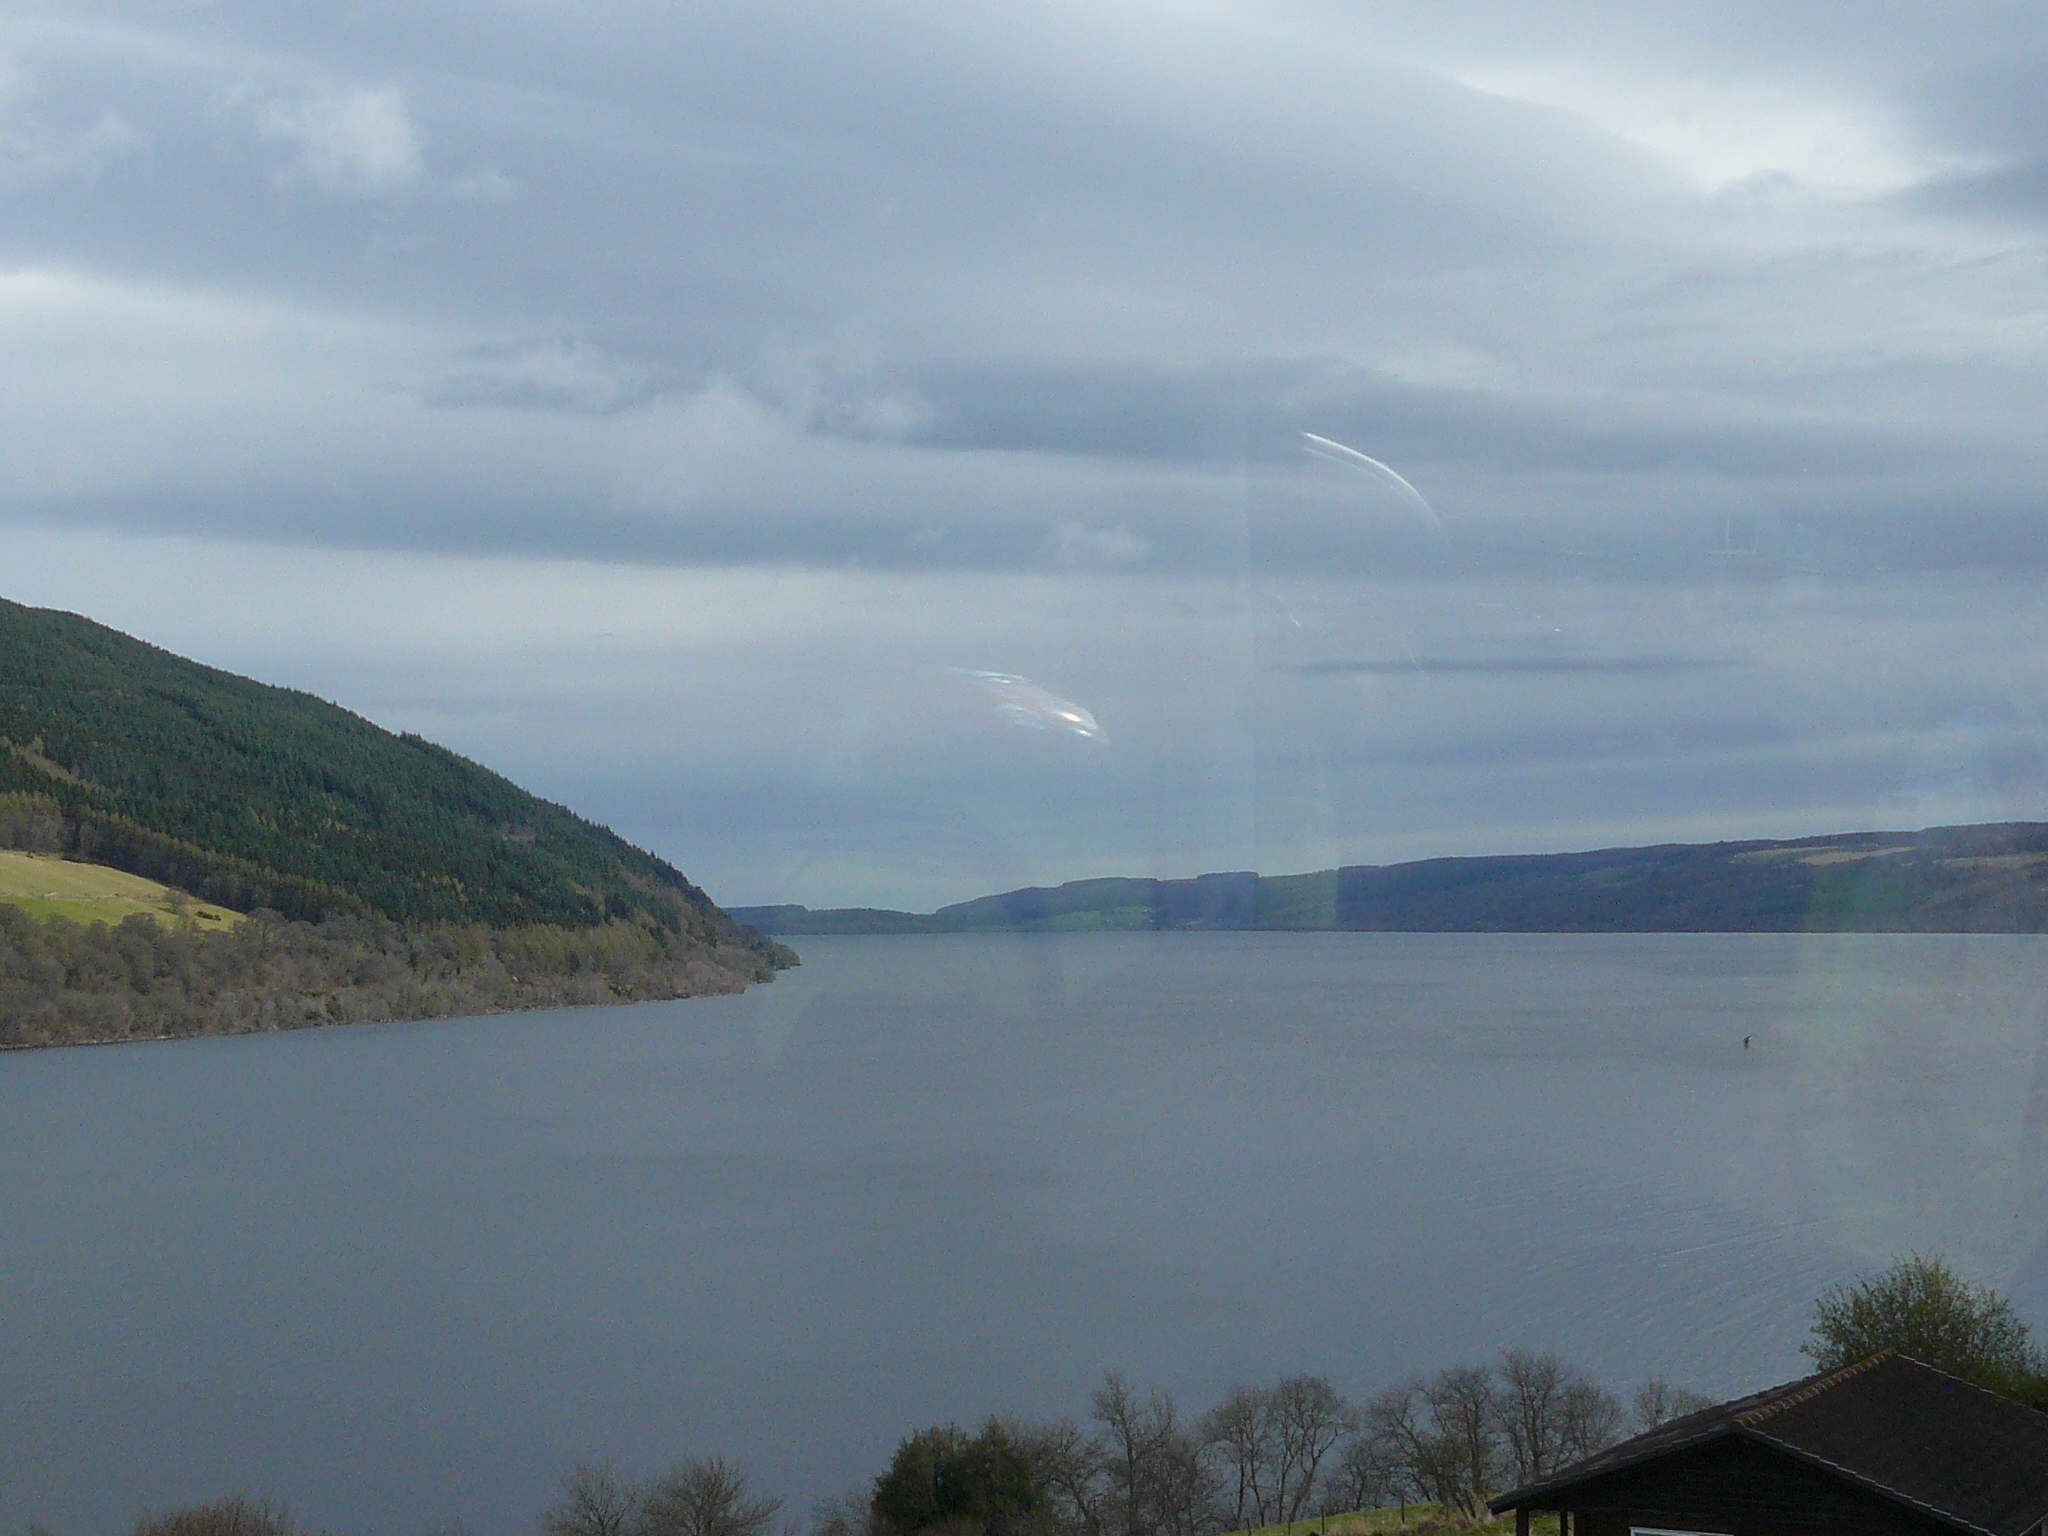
402	1275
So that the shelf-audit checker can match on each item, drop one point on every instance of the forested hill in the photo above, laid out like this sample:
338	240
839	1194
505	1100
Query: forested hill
260	797
1980	879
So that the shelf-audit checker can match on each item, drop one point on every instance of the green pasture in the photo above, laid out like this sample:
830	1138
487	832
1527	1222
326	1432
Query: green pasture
44	885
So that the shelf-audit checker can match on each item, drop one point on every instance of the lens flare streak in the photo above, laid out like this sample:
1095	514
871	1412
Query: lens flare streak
1334	452
1020	702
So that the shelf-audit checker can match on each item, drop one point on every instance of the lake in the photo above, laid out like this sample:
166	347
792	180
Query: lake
403	1275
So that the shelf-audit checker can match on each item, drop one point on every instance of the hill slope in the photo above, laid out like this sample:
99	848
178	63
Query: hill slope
376	856
258	796
1984	879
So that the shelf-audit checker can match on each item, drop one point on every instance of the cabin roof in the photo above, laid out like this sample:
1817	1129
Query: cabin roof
1889	1424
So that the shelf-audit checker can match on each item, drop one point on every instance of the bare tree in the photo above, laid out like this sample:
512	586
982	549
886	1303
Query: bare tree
1550	1414
846	1514
1658	1402
1365	1475
1592	1419
1184	1488
1308	1418
1068	1469
1397	1423
1465	1446
705	1497
1134	1435
1239	1428
596	1501
235	1515
1159	1480
1530	1409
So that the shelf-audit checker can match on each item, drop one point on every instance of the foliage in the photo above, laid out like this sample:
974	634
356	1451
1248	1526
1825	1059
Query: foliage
67	983
253	796
942	1479
31	823
1135	1469
1923	1308
1262	1459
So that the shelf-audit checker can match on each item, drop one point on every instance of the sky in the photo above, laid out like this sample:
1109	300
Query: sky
884	453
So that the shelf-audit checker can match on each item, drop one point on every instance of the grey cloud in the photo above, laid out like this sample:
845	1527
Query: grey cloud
545	528
944	291
1987	100
542	376
1223	523
2011	191
35	148
767	198
1508	666
1256	409
1198	414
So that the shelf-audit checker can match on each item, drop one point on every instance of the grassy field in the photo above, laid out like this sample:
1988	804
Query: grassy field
44	885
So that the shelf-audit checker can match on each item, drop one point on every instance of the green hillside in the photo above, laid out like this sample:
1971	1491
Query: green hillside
189	852
253	796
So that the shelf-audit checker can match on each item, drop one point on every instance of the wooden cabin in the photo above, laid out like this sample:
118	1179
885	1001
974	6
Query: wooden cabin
1887	1447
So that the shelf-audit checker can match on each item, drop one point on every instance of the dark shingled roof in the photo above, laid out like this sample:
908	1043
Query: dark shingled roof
1889	1424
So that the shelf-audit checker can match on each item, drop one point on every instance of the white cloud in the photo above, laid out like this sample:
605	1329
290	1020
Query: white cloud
1076	544
1722	133
350	139
549	376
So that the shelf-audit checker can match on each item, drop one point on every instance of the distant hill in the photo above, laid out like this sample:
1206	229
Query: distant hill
256	798
1978	879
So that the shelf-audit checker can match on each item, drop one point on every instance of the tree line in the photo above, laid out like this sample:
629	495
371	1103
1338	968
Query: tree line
1138	1466
66	983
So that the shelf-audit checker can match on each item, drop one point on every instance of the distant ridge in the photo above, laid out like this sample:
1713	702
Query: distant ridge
1973	879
